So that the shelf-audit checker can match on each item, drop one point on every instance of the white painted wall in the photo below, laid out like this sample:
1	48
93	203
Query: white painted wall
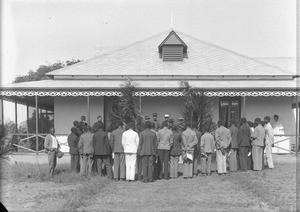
69	109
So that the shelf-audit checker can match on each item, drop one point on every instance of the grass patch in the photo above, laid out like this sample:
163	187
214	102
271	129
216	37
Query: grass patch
67	191
87	191
72	199
28	172
275	189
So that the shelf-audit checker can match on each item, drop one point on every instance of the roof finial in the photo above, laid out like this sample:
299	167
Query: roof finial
171	20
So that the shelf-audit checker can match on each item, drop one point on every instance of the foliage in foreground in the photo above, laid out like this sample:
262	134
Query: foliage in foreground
127	106
197	107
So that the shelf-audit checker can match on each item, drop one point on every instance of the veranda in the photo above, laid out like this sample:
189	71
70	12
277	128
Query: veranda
43	104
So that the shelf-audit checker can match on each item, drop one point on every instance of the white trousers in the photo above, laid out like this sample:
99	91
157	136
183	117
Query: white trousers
221	162
130	161
269	155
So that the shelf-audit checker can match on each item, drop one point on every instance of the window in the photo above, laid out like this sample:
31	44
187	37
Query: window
229	109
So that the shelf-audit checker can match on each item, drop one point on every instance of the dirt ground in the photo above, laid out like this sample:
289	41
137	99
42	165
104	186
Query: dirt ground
269	190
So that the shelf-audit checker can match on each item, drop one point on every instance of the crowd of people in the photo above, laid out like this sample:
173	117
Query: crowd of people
155	152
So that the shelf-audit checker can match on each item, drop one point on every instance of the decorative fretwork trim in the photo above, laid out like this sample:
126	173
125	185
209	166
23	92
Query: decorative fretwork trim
251	93
159	93
148	93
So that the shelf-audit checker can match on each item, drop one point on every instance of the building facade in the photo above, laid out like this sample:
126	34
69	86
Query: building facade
238	86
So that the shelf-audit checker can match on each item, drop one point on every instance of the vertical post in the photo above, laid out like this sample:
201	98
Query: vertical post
46	120
2	116
36	124
27	121
140	103
297	124
41	119
244	106
16	116
2	112
88	110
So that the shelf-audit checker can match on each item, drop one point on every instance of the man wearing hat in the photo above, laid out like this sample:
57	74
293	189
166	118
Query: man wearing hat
74	150
83	123
171	123
181	124
147	118
156	122
98	123
167	117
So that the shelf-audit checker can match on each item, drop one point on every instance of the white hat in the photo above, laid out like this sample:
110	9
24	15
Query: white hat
166	115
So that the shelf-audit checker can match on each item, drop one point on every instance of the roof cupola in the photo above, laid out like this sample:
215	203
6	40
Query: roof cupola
172	48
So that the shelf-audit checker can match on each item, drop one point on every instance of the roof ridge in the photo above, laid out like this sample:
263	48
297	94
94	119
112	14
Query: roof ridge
233	52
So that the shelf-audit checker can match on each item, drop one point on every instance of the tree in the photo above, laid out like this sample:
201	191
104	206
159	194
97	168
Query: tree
126	107
40	73
197	107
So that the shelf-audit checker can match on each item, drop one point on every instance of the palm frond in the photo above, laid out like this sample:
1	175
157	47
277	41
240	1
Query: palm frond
197	107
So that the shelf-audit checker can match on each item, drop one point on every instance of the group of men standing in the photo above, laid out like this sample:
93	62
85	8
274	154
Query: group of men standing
248	143
156	150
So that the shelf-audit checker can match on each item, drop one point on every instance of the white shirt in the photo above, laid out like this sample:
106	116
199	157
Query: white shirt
269	133
54	142
130	141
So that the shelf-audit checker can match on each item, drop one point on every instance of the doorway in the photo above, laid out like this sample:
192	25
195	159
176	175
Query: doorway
229	109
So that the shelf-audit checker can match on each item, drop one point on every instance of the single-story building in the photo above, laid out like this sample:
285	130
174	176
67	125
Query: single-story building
239	86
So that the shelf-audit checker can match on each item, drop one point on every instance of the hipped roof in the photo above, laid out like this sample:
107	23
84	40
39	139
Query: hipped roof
142	58
207	67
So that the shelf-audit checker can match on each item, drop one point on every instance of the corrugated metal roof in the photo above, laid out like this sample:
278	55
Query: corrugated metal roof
142	58
154	84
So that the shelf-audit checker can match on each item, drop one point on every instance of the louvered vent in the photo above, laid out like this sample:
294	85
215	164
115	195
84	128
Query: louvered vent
172	53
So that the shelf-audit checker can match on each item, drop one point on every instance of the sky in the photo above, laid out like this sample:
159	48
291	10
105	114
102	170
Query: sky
42	32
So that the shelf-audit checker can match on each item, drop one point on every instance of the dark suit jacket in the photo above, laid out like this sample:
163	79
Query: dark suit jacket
234	136
148	143
100	143
73	144
96	125
176	149
197	147
116	140
244	136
